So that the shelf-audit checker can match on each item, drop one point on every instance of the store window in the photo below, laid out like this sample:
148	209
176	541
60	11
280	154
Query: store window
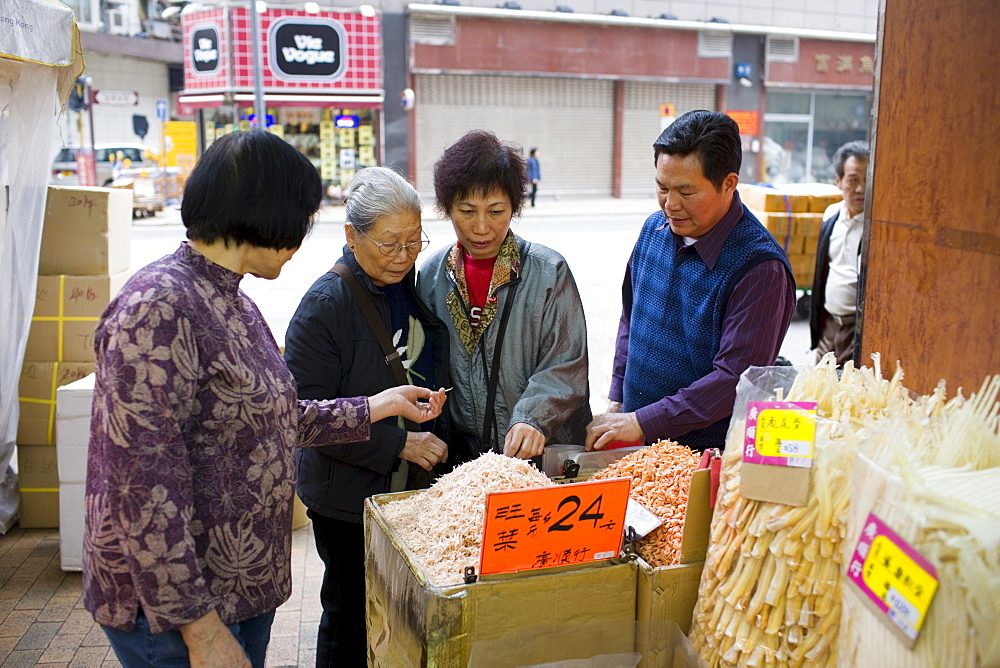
803	130
88	13
337	141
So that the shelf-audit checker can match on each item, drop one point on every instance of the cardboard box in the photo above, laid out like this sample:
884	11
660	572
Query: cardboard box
819	195
73	405
773	198
39	510
87	231
412	622
37	397
669	593
808	224
71	524
38	481
67	309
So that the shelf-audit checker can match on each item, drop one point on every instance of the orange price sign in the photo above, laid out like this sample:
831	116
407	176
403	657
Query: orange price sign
544	527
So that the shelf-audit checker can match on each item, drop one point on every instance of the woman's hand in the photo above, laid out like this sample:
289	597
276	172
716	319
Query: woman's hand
424	449
523	441
612	427
405	401
211	643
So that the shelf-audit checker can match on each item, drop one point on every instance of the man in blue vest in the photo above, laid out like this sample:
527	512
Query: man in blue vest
707	293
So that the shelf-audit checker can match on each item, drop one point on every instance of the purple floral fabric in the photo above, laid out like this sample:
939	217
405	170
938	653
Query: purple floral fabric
191	466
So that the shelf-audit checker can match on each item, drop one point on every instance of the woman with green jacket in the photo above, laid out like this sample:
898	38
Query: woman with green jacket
512	309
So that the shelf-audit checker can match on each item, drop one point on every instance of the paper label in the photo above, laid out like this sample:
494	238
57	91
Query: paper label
780	433
543	527
899	581
640	518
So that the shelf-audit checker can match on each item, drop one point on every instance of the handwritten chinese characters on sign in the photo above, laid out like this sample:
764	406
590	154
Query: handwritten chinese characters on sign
899	581
780	433
553	526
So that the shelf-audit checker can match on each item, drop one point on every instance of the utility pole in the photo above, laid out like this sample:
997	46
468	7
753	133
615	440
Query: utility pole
259	110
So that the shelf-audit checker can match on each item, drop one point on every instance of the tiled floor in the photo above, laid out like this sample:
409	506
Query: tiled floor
42	620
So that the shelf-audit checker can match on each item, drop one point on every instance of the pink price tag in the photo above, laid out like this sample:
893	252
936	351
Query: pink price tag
780	433
895	577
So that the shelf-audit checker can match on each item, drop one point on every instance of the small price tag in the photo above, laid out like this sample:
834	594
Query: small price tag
640	518
554	526
780	433
894	577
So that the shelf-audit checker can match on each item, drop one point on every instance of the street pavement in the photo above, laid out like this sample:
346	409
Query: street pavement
595	235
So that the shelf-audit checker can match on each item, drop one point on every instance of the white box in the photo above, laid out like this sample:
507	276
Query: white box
73	402
71	521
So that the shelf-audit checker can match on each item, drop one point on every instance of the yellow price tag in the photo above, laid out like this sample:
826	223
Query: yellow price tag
898	580
783	432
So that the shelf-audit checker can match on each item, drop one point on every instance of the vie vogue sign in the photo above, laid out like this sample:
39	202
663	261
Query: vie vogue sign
307	49
205	49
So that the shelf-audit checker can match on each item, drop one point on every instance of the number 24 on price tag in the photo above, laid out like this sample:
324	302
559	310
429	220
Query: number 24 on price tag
544	527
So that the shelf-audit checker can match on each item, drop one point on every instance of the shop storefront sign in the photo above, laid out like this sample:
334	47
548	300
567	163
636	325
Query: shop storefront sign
205	50
307	49
553	526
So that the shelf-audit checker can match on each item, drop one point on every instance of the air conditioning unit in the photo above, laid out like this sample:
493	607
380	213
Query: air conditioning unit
117	24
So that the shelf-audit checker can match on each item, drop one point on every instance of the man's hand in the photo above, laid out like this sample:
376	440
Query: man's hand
424	449
211	643
614	407
405	401
612	427
523	441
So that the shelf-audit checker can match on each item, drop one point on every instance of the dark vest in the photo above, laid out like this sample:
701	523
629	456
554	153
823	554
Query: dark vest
678	306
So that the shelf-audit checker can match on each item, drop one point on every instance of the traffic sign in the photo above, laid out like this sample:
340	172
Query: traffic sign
161	109
116	98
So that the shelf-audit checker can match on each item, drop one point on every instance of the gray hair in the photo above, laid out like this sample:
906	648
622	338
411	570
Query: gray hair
378	191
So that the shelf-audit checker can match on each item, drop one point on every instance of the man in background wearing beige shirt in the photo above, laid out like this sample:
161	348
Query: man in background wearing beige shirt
835	283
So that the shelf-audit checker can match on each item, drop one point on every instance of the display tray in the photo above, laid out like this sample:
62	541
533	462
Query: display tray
412	622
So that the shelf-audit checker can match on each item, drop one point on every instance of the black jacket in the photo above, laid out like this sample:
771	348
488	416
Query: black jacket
817	300
332	352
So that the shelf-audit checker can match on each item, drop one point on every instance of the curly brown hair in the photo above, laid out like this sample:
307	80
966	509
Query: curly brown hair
478	164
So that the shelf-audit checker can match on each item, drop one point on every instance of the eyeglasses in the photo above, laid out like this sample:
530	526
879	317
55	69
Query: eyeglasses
390	250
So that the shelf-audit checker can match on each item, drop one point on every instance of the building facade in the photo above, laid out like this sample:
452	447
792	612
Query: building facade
590	83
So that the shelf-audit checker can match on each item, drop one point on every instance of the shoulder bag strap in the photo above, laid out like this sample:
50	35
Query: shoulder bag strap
489	423
364	302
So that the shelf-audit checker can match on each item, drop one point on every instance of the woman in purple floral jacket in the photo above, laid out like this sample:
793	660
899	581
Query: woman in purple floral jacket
191	467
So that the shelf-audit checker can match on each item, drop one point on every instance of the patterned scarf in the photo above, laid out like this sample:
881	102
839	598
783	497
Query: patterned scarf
508	265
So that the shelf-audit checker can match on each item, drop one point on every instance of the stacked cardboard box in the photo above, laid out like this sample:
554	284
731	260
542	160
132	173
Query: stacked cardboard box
73	402
83	263
793	215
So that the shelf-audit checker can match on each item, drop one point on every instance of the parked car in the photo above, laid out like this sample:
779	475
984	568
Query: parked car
64	165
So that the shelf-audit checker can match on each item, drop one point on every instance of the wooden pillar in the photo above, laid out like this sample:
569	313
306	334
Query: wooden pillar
930	289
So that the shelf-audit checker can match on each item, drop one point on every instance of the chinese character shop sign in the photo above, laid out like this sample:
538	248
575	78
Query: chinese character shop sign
827	62
554	526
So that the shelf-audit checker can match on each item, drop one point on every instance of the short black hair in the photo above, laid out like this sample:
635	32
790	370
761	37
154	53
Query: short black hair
478	164
251	187
852	149
710	135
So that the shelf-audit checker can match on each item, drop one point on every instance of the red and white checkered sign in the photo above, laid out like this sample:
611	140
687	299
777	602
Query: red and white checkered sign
361	51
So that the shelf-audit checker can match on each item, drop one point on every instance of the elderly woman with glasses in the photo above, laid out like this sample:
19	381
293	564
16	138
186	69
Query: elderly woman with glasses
518	337
333	349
